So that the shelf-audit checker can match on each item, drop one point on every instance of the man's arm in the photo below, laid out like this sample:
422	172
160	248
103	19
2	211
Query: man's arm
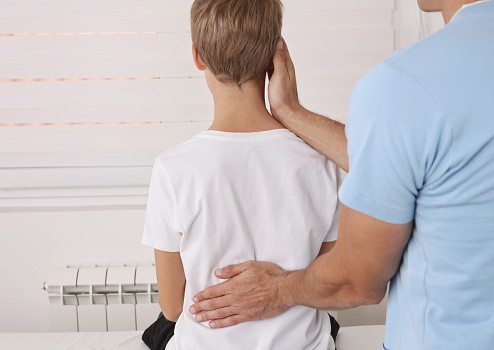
355	272
171	283
326	247
325	135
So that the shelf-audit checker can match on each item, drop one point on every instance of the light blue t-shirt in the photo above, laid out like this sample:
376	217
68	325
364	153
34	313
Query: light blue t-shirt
421	147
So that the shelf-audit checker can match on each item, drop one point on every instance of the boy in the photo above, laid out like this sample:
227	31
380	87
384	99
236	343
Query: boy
246	189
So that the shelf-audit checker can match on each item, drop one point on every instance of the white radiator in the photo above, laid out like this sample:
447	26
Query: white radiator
102	298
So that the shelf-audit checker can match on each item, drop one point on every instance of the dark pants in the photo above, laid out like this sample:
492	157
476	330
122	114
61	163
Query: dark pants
161	331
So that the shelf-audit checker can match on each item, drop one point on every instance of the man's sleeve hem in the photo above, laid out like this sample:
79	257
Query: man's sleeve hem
362	202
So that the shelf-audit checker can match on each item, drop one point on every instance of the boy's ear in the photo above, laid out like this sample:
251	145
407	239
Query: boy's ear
197	58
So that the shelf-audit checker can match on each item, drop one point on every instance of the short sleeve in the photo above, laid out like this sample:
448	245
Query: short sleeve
397	136
332	234
159	231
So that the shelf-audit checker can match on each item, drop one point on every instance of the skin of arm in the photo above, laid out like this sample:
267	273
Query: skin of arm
171	283
355	272
325	135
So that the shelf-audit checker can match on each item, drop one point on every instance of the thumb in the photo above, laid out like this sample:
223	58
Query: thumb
279	59
231	271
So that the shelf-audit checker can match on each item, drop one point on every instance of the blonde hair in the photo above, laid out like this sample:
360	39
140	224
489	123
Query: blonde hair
236	38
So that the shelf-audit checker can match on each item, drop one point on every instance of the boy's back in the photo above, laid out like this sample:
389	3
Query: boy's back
224	198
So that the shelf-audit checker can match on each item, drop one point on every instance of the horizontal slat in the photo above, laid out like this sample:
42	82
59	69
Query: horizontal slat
314	64
187	113
27	193
169	66
84	94
160	22
340	41
67	203
164	21
128	101
151	8
303	18
174	49
341	5
69	178
59	159
327	84
100	138
306	64
176	113
62	199
90	8
328	95
56	16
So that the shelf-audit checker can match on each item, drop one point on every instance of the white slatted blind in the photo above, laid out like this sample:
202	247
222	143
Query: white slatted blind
92	90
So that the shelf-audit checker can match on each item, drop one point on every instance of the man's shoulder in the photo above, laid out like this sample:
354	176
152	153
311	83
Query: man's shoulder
417	62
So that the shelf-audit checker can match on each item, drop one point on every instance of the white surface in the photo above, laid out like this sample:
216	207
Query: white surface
92	318
351	338
73	341
63	318
121	317
35	242
91	275
361	338
121	275
63	277
146	275
146	314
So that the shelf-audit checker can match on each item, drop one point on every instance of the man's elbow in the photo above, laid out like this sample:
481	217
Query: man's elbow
370	296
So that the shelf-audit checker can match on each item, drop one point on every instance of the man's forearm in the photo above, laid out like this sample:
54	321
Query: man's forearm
325	135
356	271
324	285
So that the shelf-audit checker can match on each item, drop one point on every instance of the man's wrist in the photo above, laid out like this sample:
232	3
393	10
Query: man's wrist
289	288
288	113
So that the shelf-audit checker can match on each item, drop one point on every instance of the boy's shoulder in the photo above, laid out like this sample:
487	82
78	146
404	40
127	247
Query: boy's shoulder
183	153
208	153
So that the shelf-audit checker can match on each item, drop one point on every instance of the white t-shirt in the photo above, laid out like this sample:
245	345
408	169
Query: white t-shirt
224	198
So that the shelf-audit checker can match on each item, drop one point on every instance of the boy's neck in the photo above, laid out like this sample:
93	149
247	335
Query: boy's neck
241	110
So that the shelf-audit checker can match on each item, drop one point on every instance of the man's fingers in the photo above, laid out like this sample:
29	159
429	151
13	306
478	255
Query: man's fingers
228	322
216	291
231	270
221	289
279	59
288	59
217	314
211	304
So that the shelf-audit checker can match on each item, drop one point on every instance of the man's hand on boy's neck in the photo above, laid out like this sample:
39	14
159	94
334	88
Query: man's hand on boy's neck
325	135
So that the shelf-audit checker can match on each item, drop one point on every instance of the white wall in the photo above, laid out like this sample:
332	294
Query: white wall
34	242
75	194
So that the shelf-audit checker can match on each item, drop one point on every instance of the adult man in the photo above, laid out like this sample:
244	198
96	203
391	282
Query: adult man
418	200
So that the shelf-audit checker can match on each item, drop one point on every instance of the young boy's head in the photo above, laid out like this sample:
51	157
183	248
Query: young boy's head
236	39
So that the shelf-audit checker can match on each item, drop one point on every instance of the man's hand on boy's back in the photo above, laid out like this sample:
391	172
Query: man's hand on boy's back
254	291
